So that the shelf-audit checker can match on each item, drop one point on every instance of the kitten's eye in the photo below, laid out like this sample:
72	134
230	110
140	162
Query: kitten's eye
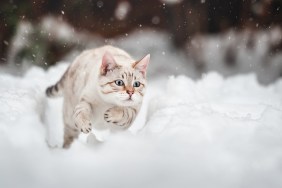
119	82
136	84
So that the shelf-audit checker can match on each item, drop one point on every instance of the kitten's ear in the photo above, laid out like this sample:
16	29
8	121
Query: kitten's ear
108	63
142	64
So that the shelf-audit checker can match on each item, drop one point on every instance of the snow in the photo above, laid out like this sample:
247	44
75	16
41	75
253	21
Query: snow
226	132
192	131
122	10
211	52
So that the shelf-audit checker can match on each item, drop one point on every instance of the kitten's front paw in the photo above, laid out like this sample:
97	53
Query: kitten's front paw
82	124
114	115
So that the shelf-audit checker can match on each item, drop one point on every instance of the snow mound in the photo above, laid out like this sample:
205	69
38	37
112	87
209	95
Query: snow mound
214	132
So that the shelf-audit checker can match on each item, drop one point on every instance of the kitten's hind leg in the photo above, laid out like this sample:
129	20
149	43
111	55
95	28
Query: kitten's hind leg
70	134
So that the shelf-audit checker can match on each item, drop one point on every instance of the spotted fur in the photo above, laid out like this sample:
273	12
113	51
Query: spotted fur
92	96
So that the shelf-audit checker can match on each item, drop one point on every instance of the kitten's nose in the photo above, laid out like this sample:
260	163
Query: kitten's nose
130	92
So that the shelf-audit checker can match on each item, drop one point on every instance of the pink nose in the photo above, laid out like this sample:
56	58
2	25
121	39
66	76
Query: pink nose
130	93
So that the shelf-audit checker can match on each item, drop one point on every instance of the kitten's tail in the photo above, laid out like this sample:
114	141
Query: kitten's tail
57	89
54	90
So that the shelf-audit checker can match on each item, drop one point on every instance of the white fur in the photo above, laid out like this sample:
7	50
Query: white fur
88	97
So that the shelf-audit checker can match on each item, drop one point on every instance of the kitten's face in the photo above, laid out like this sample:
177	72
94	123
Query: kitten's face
123	86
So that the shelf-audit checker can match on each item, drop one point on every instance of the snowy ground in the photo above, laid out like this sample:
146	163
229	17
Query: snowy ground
212	132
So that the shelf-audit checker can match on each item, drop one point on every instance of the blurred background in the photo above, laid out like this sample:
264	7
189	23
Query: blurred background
189	37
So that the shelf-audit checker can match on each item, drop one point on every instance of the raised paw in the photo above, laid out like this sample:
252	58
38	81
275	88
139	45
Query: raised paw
114	115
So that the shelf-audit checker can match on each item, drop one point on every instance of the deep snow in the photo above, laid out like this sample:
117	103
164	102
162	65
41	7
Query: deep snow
212	132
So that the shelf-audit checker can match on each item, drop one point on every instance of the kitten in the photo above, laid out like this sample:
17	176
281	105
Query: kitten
103	88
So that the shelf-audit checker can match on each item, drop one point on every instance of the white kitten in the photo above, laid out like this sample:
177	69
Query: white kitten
103	88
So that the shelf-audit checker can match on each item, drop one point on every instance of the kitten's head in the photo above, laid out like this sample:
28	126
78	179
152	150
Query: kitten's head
122	84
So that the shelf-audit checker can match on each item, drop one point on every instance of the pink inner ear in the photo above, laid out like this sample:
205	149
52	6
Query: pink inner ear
142	64
108	63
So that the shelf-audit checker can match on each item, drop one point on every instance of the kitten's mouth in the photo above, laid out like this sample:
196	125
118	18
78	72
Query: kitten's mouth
129	99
